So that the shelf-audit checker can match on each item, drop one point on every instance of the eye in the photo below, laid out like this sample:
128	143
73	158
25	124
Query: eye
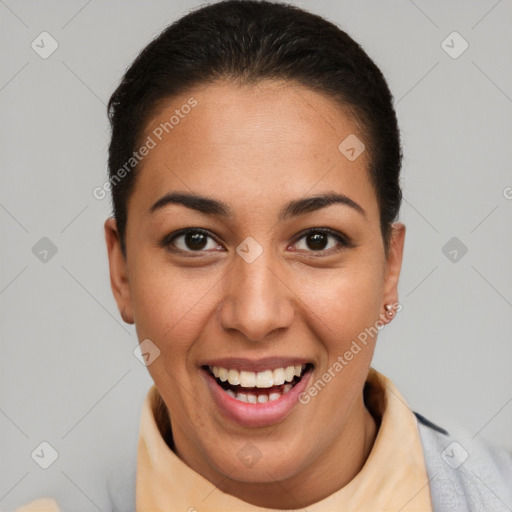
190	240
198	240
317	240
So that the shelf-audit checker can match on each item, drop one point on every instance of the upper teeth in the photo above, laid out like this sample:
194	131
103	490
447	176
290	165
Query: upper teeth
265	379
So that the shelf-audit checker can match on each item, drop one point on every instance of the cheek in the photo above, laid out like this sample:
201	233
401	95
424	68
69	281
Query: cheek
167	309
344	300
357	325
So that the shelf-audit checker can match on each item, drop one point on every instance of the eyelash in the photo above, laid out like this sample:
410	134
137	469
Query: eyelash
345	242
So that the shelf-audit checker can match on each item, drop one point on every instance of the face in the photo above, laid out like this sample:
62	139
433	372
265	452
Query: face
255	282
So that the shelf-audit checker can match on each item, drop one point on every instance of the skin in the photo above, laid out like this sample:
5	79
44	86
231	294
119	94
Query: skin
256	148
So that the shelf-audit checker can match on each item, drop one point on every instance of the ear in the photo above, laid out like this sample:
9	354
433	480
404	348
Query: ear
393	267
118	271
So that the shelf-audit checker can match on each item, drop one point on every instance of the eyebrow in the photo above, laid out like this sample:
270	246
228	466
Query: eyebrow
294	208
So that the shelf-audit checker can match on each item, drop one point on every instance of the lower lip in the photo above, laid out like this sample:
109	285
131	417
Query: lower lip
259	414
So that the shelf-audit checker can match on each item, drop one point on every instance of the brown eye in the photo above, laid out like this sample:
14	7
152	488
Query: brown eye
195	241
317	241
190	240
320	240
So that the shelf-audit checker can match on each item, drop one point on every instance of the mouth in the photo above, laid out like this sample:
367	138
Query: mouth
260	387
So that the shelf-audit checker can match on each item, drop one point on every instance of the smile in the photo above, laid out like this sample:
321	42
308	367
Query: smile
256	392
258	387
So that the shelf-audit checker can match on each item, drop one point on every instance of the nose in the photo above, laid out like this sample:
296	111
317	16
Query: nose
257	301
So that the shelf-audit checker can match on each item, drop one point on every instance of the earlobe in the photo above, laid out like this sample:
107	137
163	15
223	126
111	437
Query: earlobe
118	271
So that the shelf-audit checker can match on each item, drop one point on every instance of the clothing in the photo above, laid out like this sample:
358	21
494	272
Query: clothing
41	505
480	482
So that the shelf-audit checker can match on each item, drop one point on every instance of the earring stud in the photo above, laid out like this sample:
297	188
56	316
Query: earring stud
389	309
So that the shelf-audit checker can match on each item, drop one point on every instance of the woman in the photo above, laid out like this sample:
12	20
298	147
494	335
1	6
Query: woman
254	167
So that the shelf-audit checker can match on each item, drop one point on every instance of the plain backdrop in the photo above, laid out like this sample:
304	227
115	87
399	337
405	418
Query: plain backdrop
68	374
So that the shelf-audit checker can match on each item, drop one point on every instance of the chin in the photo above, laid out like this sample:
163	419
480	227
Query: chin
250	462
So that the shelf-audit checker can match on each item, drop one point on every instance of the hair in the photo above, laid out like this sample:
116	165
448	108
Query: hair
244	42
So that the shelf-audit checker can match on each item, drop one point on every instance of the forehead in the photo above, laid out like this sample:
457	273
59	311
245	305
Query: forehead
264	142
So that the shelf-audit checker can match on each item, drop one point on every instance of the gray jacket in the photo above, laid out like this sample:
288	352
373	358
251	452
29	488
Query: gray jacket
465	474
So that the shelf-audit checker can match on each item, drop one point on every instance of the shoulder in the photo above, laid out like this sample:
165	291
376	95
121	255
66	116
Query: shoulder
465	471
40	505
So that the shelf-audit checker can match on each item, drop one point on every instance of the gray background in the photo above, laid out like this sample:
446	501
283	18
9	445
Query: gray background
68	375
